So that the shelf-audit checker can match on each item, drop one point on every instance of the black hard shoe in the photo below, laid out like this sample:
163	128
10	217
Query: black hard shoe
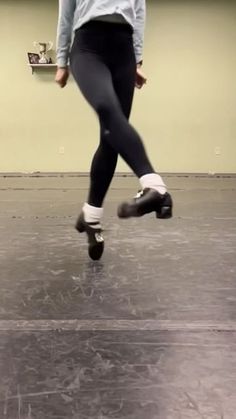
95	238
146	201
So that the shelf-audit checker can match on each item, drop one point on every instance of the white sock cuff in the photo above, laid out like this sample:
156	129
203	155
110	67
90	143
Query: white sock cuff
152	180
95	212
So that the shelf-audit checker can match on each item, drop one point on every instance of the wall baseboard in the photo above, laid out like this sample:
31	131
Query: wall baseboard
117	175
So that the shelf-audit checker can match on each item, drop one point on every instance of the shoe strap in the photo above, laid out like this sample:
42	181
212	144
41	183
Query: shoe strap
139	194
94	223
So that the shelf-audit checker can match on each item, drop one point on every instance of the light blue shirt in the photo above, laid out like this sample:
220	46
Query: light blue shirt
74	13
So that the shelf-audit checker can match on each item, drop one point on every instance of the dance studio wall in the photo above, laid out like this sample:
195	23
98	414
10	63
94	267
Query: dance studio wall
186	113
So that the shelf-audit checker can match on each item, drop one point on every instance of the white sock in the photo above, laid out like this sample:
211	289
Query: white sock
153	181
92	214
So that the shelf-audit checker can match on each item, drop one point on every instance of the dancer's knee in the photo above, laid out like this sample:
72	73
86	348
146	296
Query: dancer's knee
105	110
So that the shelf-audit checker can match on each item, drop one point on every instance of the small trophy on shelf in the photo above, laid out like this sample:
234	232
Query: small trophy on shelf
44	47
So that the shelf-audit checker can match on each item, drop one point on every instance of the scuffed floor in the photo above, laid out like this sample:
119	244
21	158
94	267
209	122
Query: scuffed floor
149	332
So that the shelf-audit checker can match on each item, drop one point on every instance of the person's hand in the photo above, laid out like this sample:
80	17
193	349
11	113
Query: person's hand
62	76
141	79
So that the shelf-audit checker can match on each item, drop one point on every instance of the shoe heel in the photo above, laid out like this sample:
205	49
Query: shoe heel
164	213
80	227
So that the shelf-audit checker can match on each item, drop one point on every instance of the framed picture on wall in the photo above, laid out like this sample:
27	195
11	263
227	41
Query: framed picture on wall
33	58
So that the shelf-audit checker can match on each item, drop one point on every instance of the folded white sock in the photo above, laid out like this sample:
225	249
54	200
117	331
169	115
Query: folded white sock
92	215
153	181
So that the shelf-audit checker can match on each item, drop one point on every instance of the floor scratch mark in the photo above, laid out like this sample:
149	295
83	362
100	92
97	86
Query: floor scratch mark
19	402
193	404
5	409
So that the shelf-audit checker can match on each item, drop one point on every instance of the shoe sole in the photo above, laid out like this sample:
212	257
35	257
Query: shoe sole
124	211
165	213
127	210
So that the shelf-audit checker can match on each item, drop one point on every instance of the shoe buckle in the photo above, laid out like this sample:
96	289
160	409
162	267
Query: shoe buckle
99	238
139	194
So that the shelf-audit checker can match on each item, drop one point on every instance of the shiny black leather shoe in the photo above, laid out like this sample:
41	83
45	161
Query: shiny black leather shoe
95	238
146	201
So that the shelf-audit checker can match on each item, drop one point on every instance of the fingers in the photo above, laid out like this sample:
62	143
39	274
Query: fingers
140	81
61	77
61	82
143	80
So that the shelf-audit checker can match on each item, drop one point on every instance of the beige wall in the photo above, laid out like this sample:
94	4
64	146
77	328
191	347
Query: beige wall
187	109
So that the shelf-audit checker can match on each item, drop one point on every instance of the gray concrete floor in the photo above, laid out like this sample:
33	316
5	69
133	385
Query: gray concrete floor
149	332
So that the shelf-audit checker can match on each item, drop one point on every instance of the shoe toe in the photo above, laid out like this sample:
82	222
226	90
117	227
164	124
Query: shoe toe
148	201
127	210
96	250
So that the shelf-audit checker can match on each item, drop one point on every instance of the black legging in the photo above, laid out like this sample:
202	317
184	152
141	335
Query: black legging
103	65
